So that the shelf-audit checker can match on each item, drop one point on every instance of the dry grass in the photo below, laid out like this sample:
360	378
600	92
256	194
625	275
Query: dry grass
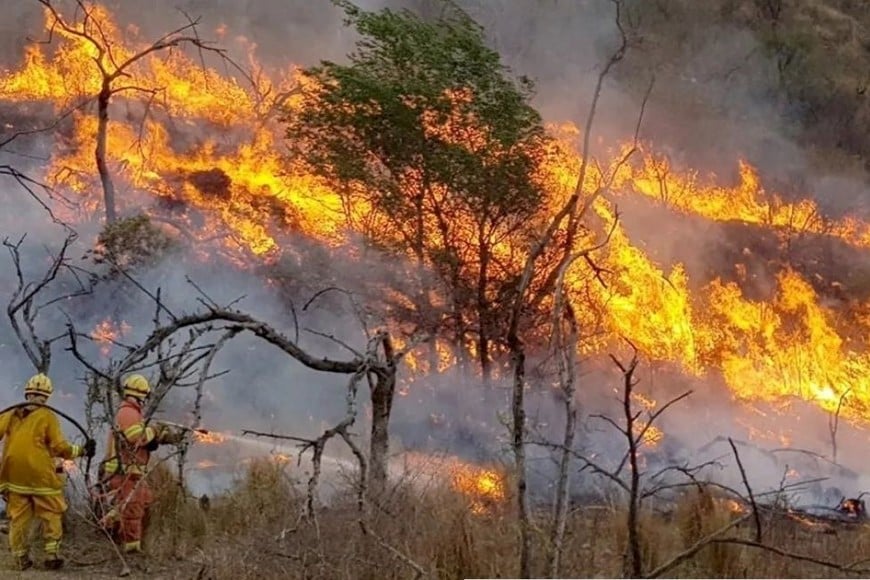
255	531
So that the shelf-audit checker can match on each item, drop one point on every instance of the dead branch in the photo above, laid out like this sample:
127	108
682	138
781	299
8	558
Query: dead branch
184	445
848	569
241	323
305	440
23	309
357	308
46	128
748	490
317	447
834	423
29	184
694	548
337	341
419	571
564	267
200	384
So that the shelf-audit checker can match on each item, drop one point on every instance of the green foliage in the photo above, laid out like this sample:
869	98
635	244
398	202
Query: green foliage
130	244
426	126
376	122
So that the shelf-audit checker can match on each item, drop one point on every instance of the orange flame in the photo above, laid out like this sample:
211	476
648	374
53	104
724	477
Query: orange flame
281	458
108	331
229	182
211	438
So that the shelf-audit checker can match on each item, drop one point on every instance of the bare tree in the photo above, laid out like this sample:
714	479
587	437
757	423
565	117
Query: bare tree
317	447
640	486
178	361
637	485
28	299
634	432
112	71
573	211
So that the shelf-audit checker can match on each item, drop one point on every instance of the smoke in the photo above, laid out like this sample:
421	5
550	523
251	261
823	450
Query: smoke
715	88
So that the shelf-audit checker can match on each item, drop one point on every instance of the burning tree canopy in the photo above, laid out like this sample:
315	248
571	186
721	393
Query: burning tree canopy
439	152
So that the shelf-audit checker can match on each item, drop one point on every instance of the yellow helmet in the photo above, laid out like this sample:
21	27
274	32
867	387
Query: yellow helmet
136	386
38	385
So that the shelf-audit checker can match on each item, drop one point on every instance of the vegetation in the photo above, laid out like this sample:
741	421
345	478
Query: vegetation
802	66
426	128
131	244
255	531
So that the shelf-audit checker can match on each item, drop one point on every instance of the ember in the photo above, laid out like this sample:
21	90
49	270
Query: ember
853	507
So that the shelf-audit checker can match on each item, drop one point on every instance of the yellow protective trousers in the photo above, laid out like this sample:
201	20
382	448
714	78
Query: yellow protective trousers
21	509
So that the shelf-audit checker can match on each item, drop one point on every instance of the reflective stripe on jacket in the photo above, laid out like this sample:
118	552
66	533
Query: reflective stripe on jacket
134	438
32	438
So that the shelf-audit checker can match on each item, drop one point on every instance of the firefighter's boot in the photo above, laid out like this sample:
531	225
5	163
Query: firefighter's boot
23	562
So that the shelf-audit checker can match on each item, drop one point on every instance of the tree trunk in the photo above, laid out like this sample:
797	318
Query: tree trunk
567	356
100	153
382	394
483	341
519	415
483	313
633	562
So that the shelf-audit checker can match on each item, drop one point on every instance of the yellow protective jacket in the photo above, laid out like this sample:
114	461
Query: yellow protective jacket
31	439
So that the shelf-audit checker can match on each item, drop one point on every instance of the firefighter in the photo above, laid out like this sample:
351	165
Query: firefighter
128	450
28	479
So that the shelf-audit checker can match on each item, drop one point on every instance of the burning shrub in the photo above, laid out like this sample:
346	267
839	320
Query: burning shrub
131	243
853	507
212	182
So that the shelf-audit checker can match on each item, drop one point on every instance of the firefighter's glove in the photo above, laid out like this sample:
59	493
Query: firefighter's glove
161	432
90	448
169	436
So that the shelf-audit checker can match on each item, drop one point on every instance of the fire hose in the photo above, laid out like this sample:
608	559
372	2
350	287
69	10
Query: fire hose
185	427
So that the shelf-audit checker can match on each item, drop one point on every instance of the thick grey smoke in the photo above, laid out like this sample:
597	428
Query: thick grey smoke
562	44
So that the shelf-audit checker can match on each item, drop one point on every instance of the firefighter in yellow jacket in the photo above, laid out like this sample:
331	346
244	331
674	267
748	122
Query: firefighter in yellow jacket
32	438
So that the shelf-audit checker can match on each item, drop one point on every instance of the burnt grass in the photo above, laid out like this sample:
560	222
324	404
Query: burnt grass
256	530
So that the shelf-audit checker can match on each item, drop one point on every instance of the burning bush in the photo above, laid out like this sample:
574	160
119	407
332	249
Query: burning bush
132	243
212	182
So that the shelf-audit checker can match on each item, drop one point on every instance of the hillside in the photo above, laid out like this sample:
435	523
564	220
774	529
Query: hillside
357	236
796	70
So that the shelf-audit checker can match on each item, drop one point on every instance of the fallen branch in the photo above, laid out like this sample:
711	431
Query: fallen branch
694	548
849	569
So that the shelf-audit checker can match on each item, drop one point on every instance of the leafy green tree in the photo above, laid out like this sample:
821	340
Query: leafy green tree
427	134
